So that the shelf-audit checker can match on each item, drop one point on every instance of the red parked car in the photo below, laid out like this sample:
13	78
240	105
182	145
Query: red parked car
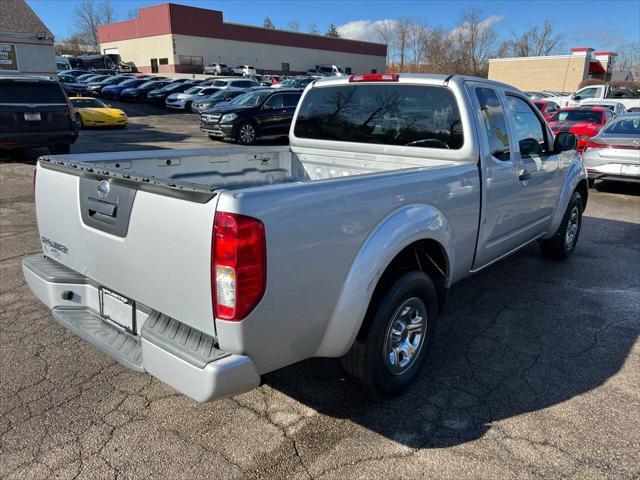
547	108
585	122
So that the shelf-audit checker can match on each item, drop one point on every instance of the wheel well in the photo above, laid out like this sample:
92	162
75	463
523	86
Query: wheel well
426	256
583	189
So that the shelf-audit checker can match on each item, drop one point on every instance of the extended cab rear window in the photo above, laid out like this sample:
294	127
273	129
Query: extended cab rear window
405	115
23	92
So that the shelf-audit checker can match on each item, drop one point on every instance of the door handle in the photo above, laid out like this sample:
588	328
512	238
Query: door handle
524	175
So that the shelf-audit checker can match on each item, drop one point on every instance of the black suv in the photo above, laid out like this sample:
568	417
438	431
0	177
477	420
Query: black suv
35	112
258	113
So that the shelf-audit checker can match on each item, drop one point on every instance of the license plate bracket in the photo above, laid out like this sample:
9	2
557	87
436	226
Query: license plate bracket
630	170
32	116
118	309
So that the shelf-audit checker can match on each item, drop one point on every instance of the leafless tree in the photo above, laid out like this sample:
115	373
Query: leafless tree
313	29
386	33
537	41
87	15
475	41
293	26
629	59
417	32
438	50
402	39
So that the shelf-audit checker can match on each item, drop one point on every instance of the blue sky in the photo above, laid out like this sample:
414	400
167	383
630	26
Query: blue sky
600	24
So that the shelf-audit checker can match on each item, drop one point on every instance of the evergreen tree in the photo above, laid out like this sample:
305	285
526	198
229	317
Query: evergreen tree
332	32
267	23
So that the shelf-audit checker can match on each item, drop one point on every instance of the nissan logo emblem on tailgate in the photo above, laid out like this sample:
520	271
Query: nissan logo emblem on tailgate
103	188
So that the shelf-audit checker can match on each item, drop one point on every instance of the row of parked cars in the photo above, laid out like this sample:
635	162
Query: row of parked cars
240	109
608	135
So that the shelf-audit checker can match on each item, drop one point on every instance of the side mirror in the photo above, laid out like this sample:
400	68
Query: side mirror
267	107
565	141
576	97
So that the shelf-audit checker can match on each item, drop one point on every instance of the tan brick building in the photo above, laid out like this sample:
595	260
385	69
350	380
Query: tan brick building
561	73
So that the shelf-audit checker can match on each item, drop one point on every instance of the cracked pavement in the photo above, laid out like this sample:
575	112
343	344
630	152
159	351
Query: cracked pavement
534	372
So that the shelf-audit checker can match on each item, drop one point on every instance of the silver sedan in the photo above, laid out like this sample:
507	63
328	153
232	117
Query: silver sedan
614	154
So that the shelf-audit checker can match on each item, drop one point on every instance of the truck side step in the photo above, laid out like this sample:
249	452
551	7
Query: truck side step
89	326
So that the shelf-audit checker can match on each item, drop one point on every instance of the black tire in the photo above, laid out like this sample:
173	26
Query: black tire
79	120
591	182
368	360
59	149
187	107
243	135
563	243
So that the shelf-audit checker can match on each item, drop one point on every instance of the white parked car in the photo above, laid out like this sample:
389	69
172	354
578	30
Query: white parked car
184	100
616	107
614	154
243	70
625	96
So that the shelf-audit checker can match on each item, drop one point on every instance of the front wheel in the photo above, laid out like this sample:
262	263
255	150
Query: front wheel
246	133
187	107
396	336
563	243
79	120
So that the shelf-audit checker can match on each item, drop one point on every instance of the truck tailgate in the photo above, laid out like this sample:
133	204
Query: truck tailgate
151	248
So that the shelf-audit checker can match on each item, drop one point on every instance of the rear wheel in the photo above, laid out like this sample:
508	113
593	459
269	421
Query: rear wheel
59	149
563	243
187	107
592	182
393	346
246	133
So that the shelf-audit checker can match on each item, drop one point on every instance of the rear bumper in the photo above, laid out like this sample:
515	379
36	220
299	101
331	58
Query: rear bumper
176	354
37	139
614	171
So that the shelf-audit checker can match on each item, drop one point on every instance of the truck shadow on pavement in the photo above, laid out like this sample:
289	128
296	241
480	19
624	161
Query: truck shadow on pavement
524	335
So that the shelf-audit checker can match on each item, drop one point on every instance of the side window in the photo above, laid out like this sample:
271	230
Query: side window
530	133
291	100
587	93
494	122
277	101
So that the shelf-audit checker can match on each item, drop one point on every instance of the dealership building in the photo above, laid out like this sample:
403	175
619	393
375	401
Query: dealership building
172	38
562	73
26	44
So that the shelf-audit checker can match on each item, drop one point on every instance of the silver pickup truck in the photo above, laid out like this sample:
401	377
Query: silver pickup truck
208	268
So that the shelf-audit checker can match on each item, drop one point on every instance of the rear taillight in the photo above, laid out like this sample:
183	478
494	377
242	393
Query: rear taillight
238	271
596	145
374	77
593	144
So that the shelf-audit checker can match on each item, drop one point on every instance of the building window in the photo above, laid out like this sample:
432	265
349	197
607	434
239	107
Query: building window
285	67
8	58
190	60
163	61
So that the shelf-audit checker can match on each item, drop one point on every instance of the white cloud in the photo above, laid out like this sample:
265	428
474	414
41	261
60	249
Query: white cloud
484	24
365	29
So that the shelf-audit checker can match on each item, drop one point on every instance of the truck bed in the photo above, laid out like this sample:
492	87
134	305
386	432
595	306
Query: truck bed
203	170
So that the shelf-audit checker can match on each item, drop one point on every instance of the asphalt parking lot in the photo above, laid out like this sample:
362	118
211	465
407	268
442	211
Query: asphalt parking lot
535	371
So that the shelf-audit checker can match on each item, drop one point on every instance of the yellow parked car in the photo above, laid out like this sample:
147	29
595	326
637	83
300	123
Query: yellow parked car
91	112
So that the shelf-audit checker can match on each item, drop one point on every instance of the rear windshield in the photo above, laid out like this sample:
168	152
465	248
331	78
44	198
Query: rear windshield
406	115
31	93
577	116
624	126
